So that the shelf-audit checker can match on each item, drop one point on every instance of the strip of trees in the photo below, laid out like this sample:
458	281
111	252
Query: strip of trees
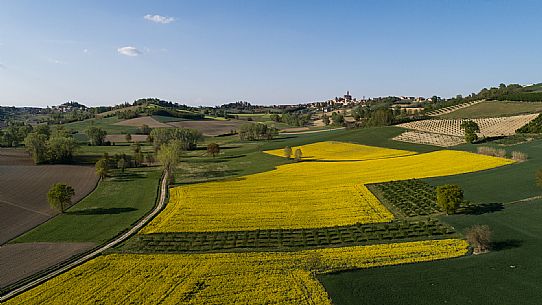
257	131
50	147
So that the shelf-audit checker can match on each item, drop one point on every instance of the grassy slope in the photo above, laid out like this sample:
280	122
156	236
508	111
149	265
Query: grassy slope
106	123
484	279
511	274
494	109
238	159
115	205
504	184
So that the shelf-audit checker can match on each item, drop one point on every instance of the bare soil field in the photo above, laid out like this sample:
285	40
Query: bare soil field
121	138
210	127
22	260
24	187
144	120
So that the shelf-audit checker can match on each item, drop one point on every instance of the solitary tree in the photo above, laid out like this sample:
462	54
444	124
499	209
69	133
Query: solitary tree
60	196
102	168
479	236
128	137
288	152
298	155
213	149
470	128
449	197
169	156
96	135
121	164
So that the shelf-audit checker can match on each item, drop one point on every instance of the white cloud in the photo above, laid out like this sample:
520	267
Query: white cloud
85	51
159	19
56	61
129	51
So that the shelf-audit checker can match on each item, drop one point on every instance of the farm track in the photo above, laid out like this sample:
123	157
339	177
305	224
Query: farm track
94	253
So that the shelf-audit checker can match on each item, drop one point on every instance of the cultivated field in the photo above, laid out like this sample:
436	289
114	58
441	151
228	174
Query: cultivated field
140	121
305	194
23	191
489	127
334	151
494	109
224	278
22	260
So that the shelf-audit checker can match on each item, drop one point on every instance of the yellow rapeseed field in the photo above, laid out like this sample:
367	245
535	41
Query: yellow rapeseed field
332	150
223	278
306	194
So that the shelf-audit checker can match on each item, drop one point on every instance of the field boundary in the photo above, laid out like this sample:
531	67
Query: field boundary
80	259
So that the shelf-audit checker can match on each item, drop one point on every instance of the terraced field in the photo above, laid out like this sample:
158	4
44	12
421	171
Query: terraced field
263	238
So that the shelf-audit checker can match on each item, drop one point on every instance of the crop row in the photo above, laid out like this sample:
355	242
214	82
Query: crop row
411	197
287	239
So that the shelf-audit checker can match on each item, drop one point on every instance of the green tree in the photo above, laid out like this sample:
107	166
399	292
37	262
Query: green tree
381	117
298	155
470	128
288	152
128	138
61	149
213	149
43	129
96	136
449	197
338	119
60	196
169	156
36	145
325	119
102	168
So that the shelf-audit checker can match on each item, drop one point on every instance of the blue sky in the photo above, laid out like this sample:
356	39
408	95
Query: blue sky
265	52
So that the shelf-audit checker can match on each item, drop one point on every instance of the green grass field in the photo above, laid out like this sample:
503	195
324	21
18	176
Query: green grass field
494	109
510	274
114	206
106	124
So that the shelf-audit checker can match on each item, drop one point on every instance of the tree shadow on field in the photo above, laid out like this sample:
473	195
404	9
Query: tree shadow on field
506	244
127	176
101	211
484	208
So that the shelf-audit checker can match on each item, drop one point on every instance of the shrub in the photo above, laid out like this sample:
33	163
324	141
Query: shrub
479	236
491	151
519	156
449	197
213	149
539	177
298	155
